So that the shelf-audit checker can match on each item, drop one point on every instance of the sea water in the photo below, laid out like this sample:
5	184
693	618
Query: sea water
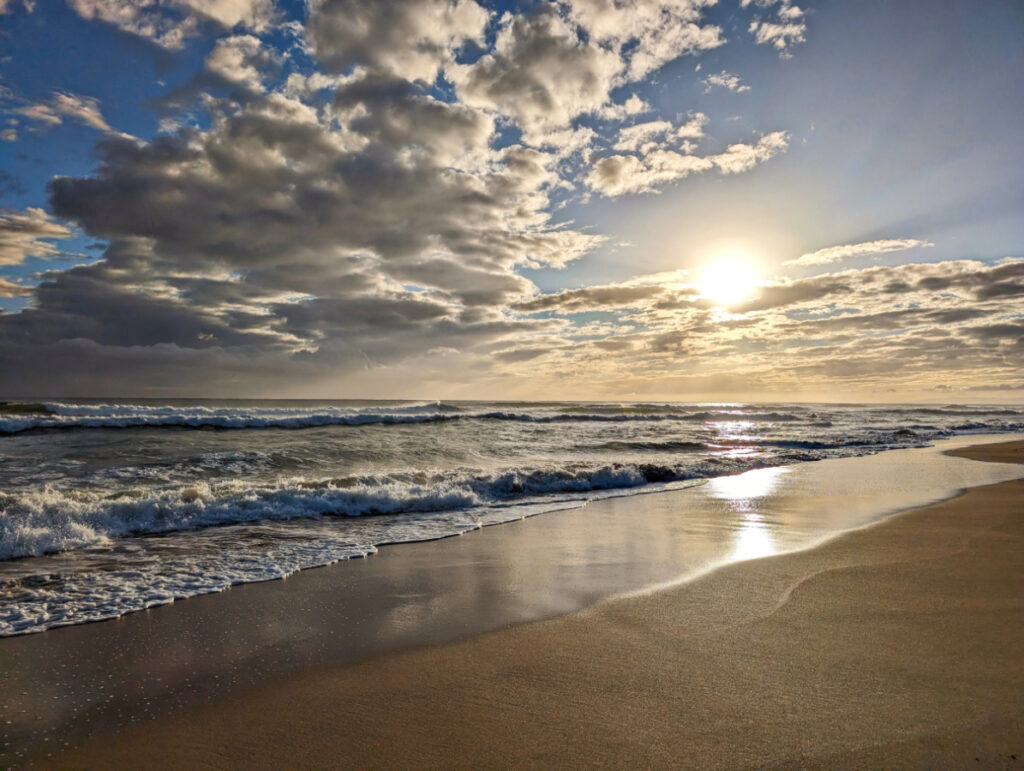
114	506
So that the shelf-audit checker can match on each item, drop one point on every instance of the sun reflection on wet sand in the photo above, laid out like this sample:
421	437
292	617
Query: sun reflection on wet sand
744	494
744	490
753	540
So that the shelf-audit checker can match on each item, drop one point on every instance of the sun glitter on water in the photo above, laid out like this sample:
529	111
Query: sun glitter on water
727	281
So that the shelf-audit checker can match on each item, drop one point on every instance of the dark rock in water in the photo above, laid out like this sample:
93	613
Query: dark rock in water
24	408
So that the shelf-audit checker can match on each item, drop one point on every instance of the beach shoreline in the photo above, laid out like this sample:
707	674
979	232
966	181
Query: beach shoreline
894	644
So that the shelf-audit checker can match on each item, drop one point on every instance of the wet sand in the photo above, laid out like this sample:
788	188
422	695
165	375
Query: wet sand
895	645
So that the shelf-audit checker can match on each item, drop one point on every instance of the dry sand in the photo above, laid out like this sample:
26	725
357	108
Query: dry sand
898	645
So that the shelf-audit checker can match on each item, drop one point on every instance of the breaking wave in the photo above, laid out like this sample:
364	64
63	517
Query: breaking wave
52	519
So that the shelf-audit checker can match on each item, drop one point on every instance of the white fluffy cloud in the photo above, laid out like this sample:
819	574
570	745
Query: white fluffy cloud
725	79
629	108
786	27
648	33
342	236
632	138
657	165
742	156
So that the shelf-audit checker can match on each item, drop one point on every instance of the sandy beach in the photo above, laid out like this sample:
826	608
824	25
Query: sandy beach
896	645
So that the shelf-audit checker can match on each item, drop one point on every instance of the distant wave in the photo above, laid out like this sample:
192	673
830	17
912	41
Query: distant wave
881	439
952	411
52	519
70	416
109	416
639	446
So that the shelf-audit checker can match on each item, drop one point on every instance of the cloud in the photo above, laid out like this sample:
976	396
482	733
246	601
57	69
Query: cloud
251	14
547	68
647	33
787	27
838	330
10	289
240	60
409	39
741	156
28	234
838	253
590	298
8	7
540	73
725	79
354	234
999	387
621	174
170	24
694	127
632	106
617	175
644	137
63	104
631	138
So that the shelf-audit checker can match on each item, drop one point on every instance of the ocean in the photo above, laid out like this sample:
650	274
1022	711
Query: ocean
109	507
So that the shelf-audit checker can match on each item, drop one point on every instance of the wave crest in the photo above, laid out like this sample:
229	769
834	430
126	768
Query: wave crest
52	520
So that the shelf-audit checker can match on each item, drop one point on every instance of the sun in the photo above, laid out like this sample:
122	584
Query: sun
727	281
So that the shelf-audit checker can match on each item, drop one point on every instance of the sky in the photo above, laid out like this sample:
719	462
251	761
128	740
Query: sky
587	199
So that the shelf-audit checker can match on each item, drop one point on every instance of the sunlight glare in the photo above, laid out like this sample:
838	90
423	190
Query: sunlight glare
728	281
